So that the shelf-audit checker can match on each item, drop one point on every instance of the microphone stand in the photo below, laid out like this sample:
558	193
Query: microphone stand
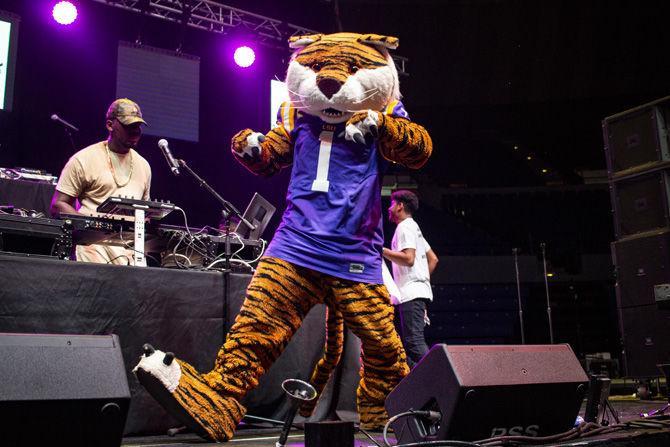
546	288
69	135
298	392
68	132
227	211
515	252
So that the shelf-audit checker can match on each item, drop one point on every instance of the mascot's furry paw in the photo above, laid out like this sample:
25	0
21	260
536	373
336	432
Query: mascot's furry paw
361	125
182	391
247	145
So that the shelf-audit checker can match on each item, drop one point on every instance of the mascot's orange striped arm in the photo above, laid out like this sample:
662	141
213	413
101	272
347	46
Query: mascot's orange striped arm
263	154
400	140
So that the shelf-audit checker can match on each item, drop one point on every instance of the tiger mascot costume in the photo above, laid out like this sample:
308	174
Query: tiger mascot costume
342	126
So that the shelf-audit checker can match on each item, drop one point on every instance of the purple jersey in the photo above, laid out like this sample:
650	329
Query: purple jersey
333	218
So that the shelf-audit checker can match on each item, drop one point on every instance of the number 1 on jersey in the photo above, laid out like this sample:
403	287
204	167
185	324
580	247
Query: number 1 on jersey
321	182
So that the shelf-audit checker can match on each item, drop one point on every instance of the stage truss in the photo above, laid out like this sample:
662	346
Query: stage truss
216	17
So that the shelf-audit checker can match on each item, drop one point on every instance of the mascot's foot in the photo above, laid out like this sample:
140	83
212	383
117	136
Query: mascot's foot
182	391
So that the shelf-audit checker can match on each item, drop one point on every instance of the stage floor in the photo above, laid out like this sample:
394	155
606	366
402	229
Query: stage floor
627	409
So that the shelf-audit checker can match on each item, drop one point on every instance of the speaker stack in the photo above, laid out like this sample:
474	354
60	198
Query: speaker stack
637	150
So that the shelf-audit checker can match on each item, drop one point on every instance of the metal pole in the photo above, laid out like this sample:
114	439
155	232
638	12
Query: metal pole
546	288
515	252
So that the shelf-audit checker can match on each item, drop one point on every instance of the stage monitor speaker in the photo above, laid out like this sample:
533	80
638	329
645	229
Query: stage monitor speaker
62	389
637	137
485	391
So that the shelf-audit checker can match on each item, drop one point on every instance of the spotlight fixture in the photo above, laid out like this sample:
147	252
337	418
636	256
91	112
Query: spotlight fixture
64	13
244	56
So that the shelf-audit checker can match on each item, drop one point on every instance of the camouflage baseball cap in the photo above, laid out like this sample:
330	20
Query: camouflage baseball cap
126	111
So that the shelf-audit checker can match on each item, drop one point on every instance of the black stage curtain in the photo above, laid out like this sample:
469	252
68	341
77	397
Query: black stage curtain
186	312
30	195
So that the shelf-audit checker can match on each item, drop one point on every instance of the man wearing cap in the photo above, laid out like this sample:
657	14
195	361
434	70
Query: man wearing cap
108	168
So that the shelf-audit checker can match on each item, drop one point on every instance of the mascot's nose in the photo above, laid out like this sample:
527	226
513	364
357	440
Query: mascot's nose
329	86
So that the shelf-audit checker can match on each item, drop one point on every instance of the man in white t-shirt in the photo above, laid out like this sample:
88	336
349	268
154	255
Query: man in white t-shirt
413	262
108	168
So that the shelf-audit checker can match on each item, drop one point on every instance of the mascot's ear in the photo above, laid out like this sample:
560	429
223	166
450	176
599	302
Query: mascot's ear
304	40
378	40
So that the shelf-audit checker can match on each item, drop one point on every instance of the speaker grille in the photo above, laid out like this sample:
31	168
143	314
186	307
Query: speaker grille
54	367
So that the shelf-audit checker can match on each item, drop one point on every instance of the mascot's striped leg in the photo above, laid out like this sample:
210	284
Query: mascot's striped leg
368	312
331	357
278	298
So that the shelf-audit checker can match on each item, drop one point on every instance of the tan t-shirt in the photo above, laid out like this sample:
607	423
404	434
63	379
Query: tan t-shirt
88	177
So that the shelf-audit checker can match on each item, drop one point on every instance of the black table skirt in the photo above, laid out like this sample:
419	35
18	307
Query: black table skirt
186	312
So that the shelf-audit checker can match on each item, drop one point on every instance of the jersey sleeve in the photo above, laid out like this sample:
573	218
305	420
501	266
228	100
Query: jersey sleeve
396	109
286	116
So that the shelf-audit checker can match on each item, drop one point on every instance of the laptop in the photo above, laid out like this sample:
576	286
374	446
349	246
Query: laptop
258	213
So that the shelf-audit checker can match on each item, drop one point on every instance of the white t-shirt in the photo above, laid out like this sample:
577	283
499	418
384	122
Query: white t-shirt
88	177
413	282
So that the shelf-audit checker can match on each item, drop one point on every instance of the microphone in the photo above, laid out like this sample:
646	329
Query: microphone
174	165
58	119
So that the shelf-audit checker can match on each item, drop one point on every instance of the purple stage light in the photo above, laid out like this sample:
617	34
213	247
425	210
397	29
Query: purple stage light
64	13
244	56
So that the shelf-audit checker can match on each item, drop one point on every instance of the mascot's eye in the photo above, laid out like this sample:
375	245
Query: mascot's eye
353	68
316	66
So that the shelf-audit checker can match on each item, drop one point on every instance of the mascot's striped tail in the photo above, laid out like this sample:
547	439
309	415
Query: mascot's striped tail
331	357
